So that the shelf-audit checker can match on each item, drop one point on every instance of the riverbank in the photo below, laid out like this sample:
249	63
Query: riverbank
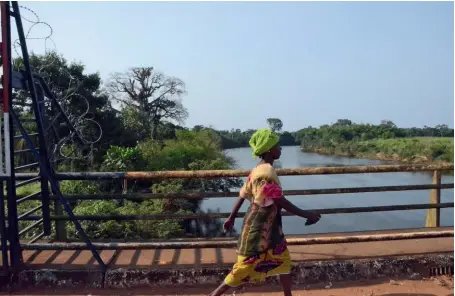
406	150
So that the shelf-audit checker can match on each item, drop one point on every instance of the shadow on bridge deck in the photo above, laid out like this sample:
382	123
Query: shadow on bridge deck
188	267
190	258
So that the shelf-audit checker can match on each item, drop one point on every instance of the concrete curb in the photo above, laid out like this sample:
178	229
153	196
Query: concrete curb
411	267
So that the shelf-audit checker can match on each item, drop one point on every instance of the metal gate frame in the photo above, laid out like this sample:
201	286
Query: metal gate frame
39	91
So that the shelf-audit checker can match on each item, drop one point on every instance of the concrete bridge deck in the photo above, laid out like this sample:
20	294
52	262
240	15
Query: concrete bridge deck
191	258
313	264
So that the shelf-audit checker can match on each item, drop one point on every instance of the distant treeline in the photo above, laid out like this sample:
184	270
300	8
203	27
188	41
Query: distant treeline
385	141
341	130
238	138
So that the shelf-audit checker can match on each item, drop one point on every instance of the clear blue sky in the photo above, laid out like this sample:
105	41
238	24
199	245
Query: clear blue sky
308	63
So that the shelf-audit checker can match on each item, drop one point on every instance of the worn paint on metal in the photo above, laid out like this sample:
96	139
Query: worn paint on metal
289	171
202	195
218	243
171	216
207	174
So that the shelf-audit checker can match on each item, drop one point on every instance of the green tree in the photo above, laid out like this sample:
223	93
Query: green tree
85	104
388	123
367	140
275	124
189	150
286	139
149	99
443	130
343	122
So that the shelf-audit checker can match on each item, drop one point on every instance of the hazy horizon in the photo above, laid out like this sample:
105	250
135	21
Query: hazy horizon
307	63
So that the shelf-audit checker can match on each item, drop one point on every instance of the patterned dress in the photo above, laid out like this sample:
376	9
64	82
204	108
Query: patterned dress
262	250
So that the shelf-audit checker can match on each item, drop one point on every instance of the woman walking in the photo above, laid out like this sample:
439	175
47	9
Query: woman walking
261	249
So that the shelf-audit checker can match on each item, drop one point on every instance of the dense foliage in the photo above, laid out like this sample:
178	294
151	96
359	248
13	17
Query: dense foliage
384	141
145	133
312	138
142	134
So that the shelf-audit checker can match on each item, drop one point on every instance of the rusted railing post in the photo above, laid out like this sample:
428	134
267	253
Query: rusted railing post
434	215
60	226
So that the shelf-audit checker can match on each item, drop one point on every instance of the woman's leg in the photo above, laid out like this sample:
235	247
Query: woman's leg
220	290
286	283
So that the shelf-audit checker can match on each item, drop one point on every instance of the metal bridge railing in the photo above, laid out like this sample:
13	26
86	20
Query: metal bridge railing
433	207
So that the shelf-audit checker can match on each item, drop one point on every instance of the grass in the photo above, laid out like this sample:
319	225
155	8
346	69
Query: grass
410	149
28	189
415	150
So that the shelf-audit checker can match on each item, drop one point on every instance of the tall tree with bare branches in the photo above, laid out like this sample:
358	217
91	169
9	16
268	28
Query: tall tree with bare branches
148	98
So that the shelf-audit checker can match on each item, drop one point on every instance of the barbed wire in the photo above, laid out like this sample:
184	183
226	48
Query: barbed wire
68	96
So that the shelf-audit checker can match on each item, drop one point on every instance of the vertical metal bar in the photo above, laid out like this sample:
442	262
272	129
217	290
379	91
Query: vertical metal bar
2	149
5	84
433	218
3	232
43	154
43	167
6	78
60	226
13	225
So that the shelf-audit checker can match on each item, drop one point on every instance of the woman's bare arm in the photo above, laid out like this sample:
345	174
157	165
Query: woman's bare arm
291	208
229	223
235	209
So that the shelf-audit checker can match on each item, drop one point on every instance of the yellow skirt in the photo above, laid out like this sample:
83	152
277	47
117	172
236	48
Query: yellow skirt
256	268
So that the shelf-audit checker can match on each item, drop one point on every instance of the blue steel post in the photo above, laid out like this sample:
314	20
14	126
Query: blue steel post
43	153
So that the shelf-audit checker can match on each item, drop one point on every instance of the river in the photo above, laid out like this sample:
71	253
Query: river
292	157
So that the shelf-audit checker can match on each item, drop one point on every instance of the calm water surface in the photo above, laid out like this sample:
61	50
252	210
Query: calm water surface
292	157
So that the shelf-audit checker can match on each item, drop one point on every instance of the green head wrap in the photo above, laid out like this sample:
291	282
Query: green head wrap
262	141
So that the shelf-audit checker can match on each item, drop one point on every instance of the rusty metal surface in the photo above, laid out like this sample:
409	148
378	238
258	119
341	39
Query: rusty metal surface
243	173
202	195
433	218
289	171
233	243
160	217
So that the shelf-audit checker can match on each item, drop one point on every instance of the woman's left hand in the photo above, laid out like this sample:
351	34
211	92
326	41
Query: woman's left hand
228	224
312	219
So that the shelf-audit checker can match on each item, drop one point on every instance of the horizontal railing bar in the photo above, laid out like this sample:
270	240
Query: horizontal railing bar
26	182
233	243
24	151
30	227
225	215
32	196
30	135
28	120
27	166
287	172
36	238
243	173
35	209
202	195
